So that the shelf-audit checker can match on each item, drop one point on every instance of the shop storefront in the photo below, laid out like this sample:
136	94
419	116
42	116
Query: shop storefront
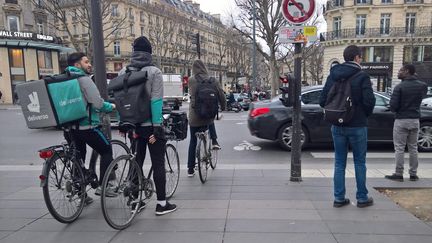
380	74
26	56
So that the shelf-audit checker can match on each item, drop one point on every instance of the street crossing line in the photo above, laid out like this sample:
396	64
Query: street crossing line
330	155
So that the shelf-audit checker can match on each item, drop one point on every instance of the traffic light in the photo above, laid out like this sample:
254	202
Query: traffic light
196	41
288	82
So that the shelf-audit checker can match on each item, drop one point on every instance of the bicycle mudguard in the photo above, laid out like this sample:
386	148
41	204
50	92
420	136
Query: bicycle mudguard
45	170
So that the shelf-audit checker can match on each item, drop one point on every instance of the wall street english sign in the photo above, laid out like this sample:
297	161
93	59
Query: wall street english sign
17	35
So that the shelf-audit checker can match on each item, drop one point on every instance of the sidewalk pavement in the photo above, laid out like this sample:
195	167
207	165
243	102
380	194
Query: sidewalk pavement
235	205
9	107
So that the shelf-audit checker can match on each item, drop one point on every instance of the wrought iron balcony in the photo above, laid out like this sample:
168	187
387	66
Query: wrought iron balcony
413	1
378	33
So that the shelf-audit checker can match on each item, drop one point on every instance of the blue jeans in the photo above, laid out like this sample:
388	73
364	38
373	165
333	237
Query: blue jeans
357	138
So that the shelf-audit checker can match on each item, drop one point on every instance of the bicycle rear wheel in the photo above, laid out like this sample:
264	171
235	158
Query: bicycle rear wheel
119	148
202	160
172	170
120	209
64	188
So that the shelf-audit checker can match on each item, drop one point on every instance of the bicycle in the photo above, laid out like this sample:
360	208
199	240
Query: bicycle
205	155
130	183
64	179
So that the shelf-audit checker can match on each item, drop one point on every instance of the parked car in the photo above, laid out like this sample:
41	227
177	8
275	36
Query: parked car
427	102
271	120
244	101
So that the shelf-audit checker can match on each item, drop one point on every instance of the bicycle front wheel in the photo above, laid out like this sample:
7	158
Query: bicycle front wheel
64	188
172	170
202	161
121	196
214	158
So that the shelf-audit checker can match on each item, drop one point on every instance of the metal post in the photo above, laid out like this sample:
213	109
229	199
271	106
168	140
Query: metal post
254	67
99	59
296	137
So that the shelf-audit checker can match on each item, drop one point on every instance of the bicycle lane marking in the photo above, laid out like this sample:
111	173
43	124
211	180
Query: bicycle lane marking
245	145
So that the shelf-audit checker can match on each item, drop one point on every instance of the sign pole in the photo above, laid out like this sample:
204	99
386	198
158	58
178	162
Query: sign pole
296	123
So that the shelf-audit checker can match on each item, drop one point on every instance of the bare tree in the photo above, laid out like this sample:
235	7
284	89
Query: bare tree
268	22
69	14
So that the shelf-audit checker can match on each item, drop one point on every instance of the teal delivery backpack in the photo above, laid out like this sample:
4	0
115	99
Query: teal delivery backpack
51	102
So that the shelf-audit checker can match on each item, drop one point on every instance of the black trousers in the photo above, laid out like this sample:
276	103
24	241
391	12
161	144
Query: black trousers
97	141
157	155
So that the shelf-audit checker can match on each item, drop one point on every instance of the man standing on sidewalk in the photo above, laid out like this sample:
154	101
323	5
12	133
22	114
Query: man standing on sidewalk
405	103
354	132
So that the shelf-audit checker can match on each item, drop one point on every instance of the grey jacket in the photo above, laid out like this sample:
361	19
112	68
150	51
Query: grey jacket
200	72
143	61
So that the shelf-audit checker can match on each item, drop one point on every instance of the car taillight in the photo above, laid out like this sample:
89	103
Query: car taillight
46	154
42	177
259	111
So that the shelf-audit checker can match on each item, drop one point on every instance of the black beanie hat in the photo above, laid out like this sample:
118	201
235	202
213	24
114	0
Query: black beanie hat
142	44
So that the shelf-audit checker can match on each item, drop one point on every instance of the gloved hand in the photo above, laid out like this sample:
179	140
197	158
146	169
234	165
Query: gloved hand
159	132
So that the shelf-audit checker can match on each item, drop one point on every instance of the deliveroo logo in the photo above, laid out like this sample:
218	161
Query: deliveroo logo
34	105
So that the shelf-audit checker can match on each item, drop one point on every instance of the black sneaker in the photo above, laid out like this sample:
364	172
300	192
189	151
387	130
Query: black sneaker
164	210
215	145
191	172
414	178
369	202
138	205
394	177
337	204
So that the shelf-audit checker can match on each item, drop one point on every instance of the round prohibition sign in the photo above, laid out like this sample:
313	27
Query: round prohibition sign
298	11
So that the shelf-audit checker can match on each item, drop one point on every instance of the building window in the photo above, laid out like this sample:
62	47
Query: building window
12	1
427	54
75	30
412	54
131	30
383	54
358	2
385	24
117	48
44	59
361	24
386	1
131	14
118	66
114	10
410	23
40	28
16	60
142	31
142	16
13	23
337	26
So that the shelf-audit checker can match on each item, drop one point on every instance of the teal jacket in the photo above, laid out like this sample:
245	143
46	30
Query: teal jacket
93	99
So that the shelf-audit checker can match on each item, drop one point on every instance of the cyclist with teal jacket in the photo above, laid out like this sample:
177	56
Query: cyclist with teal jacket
88	131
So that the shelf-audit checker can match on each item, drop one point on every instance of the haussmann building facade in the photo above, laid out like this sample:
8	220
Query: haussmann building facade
28	50
390	33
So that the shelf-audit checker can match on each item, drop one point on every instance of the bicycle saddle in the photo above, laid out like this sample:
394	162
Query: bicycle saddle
125	127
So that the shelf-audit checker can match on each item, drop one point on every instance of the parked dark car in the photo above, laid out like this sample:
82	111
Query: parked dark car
271	120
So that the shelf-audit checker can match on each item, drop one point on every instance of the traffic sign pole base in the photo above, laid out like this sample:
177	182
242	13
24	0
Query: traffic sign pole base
295	179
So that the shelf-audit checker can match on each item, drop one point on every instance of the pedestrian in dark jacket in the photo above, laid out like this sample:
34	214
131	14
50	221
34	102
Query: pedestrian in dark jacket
354	133
150	132
197	123
405	103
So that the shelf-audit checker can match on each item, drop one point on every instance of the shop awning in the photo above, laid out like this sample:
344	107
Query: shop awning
35	44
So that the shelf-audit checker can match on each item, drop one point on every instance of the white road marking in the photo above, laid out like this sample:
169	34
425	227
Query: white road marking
245	145
330	155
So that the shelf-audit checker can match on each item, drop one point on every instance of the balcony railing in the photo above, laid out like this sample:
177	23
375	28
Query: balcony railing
12	1
378	33
414	1
123	54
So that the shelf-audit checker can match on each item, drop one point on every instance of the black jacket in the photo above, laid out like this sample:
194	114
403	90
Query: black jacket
361	90
407	97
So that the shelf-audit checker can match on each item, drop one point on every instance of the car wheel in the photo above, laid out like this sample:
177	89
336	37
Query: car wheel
425	137
285	137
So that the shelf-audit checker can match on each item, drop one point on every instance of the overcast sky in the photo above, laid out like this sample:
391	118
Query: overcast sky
216	6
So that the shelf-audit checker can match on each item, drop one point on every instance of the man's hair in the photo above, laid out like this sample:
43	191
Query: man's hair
351	52
410	68
74	58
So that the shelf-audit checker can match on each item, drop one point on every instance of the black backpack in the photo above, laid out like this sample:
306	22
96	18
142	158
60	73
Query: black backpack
131	96
206	99
339	108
